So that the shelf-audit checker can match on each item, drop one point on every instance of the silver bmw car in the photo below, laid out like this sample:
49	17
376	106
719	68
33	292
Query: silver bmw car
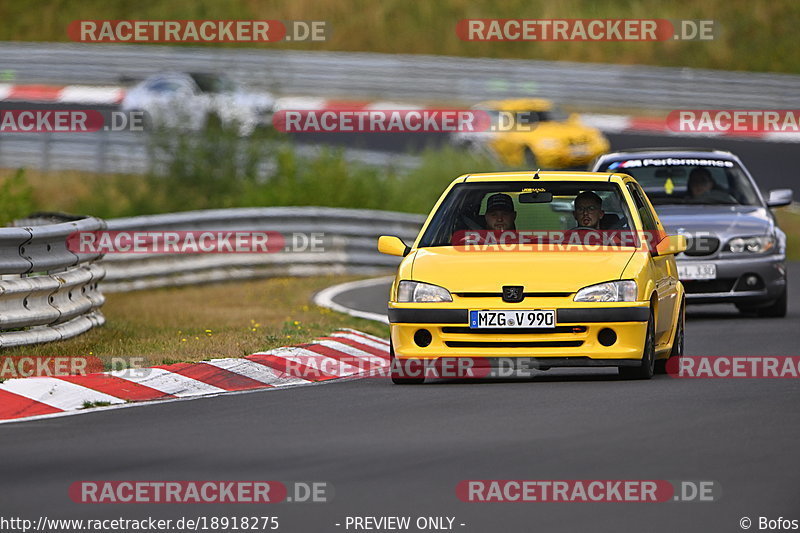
736	252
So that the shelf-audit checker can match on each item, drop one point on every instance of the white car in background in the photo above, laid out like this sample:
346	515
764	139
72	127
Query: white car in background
189	101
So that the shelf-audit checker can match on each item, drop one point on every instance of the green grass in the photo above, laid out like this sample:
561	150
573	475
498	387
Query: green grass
91	405
16	196
173	325
757	36
789	221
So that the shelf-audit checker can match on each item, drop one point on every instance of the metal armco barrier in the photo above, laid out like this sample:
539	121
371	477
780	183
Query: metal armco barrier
49	293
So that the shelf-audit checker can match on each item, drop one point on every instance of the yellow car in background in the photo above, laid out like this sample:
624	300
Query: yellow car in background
532	133
504	270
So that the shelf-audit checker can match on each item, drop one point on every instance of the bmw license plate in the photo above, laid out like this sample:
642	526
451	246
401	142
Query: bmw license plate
697	271
523	318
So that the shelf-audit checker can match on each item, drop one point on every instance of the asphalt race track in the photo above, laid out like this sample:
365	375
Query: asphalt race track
401	450
390	450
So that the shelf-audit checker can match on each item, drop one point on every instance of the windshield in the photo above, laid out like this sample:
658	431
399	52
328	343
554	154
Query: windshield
689	181
526	206
214	83
162	85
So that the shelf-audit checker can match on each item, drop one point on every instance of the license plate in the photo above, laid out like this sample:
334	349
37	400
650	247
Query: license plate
523	318
697	271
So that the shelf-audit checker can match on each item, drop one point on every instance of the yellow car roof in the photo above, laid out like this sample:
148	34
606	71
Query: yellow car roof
544	176
519	104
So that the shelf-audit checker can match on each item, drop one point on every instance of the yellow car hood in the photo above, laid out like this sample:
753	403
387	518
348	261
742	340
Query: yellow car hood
538	271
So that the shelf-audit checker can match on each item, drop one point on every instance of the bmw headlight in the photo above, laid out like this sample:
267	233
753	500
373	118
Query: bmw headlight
416	292
753	245
611	291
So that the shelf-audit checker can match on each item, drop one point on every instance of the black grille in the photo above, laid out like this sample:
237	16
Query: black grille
708	285
500	294
699	245
513	344
514	331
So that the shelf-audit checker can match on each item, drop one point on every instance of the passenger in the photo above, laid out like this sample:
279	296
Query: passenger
588	210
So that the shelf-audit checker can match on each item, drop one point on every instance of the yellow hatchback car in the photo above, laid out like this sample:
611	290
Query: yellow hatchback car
538	270
533	133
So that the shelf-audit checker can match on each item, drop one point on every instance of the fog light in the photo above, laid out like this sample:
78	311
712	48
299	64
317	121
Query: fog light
607	337
751	281
423	337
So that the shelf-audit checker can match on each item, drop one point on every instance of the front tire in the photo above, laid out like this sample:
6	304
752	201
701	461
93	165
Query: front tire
647	368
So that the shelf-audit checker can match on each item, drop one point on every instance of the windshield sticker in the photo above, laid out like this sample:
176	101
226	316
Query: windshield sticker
669	161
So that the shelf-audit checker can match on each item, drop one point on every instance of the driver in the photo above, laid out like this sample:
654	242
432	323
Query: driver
588	210
500	214
700	188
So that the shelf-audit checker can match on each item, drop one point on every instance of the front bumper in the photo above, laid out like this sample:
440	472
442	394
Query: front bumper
730	285
575	341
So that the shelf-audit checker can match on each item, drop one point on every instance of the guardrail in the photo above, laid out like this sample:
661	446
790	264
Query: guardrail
49	293
348	243
408	77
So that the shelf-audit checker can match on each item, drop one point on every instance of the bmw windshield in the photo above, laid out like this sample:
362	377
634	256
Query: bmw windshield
689	181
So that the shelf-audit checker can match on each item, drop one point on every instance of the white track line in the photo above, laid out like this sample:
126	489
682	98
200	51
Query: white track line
324	298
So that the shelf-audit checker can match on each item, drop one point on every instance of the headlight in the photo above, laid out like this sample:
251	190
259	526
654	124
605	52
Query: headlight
611	291
754	245
414	291
548	144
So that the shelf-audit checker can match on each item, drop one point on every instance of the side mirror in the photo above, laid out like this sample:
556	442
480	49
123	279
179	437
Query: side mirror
671	245
779	197
391	245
